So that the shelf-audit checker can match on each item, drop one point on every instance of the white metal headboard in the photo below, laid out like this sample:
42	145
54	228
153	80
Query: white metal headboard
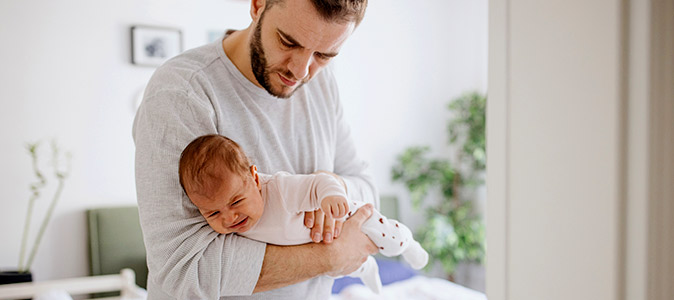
125	283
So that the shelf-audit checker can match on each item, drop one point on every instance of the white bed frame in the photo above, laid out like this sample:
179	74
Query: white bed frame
124	282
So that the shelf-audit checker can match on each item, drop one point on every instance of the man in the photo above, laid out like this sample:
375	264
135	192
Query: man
263	87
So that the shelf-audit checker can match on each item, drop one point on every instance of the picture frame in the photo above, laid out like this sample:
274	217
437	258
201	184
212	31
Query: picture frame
151	45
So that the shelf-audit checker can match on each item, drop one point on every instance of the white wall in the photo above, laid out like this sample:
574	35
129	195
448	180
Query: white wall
66	74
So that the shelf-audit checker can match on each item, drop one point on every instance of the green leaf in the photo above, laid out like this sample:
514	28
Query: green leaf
452	233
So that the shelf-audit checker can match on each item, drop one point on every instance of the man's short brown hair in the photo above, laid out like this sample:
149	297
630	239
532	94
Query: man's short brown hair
335	10
201	163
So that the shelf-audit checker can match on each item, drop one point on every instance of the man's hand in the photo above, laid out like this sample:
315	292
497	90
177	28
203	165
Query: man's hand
322	226
349	252
334	206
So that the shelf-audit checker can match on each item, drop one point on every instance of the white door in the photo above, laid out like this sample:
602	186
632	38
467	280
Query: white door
580	127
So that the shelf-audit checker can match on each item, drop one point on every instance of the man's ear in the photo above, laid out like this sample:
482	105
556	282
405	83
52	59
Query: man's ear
256	8
256	176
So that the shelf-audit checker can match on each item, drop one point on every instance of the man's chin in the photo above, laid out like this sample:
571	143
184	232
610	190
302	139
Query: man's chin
284	94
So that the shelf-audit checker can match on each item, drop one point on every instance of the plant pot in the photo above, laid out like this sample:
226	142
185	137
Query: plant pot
7	277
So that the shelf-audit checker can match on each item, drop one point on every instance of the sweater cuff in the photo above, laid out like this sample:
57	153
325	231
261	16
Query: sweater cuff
356	191
245	261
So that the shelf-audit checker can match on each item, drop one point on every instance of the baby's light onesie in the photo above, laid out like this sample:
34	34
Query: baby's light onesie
286	197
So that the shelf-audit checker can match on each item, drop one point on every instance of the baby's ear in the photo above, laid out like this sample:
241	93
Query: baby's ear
256	176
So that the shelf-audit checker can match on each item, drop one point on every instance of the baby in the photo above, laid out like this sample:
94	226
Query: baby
234	198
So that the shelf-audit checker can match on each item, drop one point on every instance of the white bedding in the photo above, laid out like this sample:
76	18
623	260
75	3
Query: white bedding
417	288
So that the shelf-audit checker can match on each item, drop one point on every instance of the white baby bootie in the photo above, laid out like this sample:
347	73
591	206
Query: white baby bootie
415	255
370	275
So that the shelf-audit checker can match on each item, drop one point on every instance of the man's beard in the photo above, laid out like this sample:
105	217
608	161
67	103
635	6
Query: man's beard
258	62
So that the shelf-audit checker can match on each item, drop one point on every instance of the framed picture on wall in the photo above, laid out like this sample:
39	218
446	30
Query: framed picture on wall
151	46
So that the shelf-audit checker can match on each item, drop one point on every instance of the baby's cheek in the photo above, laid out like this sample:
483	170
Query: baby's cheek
219	230
217	227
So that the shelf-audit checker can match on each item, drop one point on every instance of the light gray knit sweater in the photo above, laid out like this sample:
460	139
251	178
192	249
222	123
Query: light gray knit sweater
202	92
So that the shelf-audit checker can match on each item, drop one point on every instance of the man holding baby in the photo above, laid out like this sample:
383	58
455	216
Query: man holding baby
268	88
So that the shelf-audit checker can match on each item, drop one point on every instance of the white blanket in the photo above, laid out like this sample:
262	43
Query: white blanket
417	287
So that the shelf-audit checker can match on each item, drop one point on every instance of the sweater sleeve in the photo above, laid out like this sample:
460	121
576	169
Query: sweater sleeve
354	170
305	192
185	257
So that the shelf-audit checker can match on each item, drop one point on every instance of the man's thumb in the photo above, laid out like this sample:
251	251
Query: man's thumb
362	214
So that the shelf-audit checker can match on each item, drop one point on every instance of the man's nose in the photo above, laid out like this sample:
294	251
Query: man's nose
299	64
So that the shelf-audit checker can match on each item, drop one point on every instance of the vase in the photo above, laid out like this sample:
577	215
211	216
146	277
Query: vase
7	277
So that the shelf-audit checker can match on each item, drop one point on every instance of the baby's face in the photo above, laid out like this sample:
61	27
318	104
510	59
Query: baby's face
235	207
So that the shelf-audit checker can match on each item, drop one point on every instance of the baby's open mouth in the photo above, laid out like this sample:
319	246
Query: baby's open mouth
240	224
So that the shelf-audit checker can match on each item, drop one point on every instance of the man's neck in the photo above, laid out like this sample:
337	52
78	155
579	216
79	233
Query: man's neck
237	48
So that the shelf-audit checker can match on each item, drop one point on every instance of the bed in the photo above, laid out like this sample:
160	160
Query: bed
401	282
418	288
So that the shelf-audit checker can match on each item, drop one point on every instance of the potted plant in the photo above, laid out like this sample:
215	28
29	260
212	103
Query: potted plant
453	232
23	274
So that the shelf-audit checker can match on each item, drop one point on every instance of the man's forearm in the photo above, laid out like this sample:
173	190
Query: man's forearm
286	265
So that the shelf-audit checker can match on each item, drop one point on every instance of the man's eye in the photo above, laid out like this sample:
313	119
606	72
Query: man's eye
286	44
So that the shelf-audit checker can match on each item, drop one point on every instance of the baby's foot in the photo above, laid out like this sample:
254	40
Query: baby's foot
416	256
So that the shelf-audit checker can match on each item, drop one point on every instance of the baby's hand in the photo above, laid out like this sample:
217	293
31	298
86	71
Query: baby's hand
335	206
